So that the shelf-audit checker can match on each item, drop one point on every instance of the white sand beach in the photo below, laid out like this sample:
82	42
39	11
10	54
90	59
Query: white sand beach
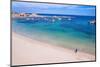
29	51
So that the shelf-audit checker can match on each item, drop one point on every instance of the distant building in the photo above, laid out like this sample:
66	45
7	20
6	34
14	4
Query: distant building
15	14
20	15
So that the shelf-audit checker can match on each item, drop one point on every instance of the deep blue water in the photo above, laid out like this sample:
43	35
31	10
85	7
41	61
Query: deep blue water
75	32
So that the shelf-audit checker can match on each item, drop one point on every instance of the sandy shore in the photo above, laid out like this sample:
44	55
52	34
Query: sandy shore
29	51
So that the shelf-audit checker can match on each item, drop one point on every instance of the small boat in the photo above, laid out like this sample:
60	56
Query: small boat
92	22
59	18
27	18
32	18
69	19
53	20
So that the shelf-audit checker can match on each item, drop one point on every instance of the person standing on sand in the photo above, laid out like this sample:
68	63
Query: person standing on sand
76	50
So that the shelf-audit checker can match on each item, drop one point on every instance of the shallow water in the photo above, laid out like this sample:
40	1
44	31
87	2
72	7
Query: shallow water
74	33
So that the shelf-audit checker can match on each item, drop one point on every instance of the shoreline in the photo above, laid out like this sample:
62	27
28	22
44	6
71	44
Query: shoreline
29	51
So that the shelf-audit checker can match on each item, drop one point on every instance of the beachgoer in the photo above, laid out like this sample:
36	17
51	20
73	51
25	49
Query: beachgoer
76	50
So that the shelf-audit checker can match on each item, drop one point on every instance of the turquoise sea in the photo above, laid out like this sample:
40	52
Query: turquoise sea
73	32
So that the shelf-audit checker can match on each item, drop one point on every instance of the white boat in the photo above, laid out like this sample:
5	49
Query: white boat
92	22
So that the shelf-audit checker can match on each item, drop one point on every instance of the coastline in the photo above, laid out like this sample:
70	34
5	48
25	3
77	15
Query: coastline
29	51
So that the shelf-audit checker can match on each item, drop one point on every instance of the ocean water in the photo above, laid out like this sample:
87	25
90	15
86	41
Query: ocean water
73	32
